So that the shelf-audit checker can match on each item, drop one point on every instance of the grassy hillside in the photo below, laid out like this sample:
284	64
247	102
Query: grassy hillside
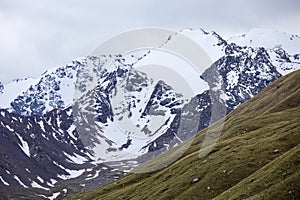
256	157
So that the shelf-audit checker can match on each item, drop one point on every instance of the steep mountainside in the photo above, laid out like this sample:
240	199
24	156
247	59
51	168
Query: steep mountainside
39	153
257	156
56	142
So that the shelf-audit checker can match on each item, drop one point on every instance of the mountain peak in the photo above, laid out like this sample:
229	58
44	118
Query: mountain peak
268	39
211	42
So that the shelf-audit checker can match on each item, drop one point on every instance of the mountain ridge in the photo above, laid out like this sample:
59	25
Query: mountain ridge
256	157
241	73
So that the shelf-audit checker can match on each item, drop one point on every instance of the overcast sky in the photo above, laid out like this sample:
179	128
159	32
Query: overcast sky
39	34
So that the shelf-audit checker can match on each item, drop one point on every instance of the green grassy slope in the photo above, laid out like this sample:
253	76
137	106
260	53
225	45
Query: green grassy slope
256	157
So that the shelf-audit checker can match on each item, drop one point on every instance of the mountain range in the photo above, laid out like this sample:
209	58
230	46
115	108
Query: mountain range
54	144
256	157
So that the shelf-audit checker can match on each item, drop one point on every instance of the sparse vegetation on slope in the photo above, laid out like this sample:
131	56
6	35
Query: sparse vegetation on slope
256	157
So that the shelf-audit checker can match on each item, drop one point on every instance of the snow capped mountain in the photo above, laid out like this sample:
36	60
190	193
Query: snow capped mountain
283	48
11	91
211	42
53	90
239	73
77	123
129	111
125	130
234	78
284	62
242	72
268	39
151	107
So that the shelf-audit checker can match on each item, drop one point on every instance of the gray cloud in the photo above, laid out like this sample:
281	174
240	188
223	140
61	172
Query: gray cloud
37	35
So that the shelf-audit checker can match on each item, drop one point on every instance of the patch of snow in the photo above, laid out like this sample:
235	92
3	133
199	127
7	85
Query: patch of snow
73	174
54	196
67	91
58	165
2	113
232	78
53	181
41	195
40	179
3	181
19	181
78	159
24	145
41	123
36	185
95	175
9	128
71	130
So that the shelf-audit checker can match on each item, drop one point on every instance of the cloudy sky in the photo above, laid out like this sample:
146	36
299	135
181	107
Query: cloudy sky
39	34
